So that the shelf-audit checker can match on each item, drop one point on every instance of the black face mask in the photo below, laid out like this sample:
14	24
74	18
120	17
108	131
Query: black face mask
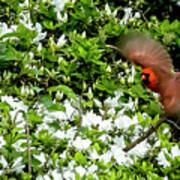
146	80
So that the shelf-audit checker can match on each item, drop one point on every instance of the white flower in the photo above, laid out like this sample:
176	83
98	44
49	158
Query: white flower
70	111
18	143
56	175
15	103
81	144
41	158
119	155
175	151
80	170
140	149
46	177
89	89
114	102
59	134
39	48
92	169
70	133
26	21
63	155
119	141
106	125
40	177
124	122
62	18
43	126
97	103
138	129
17	165
157	143
94	155
129	105
109	12
105	138
90	119
106	157
162	159
178	3
2	142
166	130
40	36
71	165
3	162
59	4
69	175
137	15
127	15
107	9
24	4
61	41
4	29
51	116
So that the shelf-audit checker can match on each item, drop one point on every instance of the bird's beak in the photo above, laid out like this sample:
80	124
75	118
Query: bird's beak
143	77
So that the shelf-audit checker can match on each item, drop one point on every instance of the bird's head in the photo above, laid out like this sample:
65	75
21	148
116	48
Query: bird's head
149	79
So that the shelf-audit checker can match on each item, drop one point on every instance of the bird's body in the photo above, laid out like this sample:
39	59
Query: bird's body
156	68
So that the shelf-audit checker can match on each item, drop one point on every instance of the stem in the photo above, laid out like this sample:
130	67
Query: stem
145	135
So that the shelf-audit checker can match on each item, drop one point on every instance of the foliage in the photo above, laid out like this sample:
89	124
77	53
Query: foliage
80	100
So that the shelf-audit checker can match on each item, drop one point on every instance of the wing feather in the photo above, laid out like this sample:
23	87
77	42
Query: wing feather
146	52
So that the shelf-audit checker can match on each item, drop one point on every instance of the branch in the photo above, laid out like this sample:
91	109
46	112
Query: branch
145	135
174	124
112	47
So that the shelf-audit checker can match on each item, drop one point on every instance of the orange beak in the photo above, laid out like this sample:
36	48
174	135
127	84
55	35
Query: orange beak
143	77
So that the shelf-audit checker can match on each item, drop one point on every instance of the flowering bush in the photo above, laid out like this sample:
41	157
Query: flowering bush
69	104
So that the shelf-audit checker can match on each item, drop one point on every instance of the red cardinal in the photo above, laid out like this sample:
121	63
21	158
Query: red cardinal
156	68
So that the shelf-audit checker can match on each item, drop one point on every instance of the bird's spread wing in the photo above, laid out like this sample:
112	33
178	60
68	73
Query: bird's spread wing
146	52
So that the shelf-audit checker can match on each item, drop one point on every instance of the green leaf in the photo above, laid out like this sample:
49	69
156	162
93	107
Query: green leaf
5	106
56	107
65	89
34	118
46	100
80	158
8	55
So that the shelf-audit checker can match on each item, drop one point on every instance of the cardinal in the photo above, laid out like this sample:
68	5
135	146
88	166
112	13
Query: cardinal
156	66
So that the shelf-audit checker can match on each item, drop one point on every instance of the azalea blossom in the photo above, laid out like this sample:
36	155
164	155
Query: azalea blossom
90	119
41	158
162	159
106	125
4	29
140	149
2	142
106	157
127	15
175	151
3	162
56	175
59	4
81	144
18	166
124	122
80	170
61	41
